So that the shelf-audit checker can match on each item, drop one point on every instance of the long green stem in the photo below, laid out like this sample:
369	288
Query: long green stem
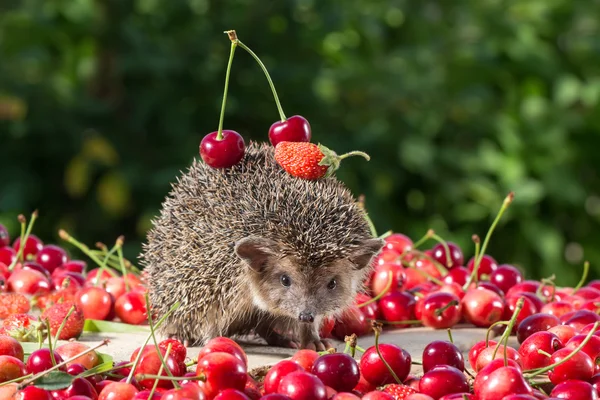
152	332
231	53
23	241
160	371
507	332
377	333
586	270
355	153
235	40
386	289
85	249
446	249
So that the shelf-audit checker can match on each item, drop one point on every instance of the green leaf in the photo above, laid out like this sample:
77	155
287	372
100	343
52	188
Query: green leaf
93	325
54	380
106	363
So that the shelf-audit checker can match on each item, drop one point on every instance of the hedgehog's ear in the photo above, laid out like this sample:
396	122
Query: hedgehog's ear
364	253
255	251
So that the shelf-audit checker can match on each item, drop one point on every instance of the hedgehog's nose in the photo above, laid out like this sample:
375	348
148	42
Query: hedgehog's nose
306	317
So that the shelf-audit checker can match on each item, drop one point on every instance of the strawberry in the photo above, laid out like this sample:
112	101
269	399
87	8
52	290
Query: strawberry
22	327
178	350
308	160
13	303
56	315
45	301
399	392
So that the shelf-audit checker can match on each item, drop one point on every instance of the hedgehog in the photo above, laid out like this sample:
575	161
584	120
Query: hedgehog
253	250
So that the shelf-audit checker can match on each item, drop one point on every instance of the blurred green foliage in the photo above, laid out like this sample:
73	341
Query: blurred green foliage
103	102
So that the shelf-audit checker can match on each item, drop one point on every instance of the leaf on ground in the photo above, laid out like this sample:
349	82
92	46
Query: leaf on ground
54	380
94	325
105	363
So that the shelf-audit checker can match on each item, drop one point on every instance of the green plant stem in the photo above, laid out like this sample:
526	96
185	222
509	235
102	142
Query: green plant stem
231	53
23	241
509	328
237	41
446	249
355	153
85	249
586	270
385	234
387	287
383	359
160	371
423	239
60	328
50	347
122	263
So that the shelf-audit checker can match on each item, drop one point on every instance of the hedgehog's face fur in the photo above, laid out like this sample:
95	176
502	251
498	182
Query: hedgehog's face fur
284	285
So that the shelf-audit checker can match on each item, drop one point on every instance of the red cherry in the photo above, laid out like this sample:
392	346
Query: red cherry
301	385
557	308
51	257
487	356
440	310
377	395
580	319
371	310
41	360
579	366
231	394
588	293
490	286
94	302
483	375
131	308
33	245
456	255
225	345
482	307
222	153
10	346
79	387
351	321
564	332
452	288
398	242
525	286
528	309
440	352
75	266
413	279
7	255
591	348
34	393
477	349
222	371
294	129
382	276
305	358
375	371
574	390
338	371
443	380
328	323
459	275
11	368
505	277
398	306
28	281
33	266
118	391
535	323
486	266
277	372
502	382
543	340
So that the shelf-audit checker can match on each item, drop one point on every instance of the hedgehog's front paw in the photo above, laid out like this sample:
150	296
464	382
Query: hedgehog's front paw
317	344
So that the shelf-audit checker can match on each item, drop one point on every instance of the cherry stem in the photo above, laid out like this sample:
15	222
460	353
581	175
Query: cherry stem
174	379
94	371
446	248
160	371
85	249
222	116
507	201
355	153
440	310
586	270
386	234
65	362
407	322
150	335
387	287
23	242
361	205
234	39
50	347
425	238
489	330
567	358
60	328
351	344
507	332
416	363
427	275
546	281
377	331
442	270
119	246
450	335
545	353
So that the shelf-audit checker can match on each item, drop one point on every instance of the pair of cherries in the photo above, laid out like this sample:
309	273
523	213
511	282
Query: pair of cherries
229	150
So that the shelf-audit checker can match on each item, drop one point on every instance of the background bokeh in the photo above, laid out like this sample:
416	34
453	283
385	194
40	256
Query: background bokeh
103	102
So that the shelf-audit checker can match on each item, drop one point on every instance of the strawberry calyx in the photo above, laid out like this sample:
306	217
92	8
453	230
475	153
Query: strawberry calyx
332	160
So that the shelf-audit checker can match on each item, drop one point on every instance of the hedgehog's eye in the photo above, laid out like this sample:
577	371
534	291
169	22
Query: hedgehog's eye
285	280
332	284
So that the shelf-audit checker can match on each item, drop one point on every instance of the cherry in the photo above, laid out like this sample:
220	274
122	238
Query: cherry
75	369
98	276
398	243
477	349
10	346
413	279
94	302
51	257
301	385
375	371
338	371
397	306
351	321
543	340
35	267
40	360
34	393
440	310
503	382
482	307
557	308
486	266
81	387
456	255
492	287
328	323
345	396
222	153
484	374
574	390
115	286
382	276
7	255
33	245
371	310
131	308
275	396
591	348
487	355
588	293
564	332
452	288
11	368
68	280
118	391
293	129
222	371
75	266
528	286
305	358
231	394
28	281
4	237
443	380
459	275
71	349
506	276
582	318
510	306
440	352
277	372
145	395
580	366
535	323
225	345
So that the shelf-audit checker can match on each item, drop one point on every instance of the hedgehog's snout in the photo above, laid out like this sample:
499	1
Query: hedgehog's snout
306	316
